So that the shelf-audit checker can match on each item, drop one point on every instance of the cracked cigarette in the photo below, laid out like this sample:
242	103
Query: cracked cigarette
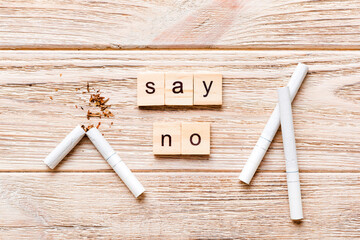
271	127
66	145
292	169
115	162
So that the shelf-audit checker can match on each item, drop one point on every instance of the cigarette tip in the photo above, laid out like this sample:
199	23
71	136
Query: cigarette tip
300	64
244	179
48	164
297	220
140	194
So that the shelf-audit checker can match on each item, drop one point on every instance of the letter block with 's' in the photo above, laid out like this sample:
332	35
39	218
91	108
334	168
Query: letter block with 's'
151	89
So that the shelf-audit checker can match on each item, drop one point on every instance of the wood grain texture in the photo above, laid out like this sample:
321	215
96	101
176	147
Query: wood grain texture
326	110
255	24
176	206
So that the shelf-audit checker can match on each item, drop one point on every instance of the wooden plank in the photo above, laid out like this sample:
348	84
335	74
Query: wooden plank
326	112
255	24
176	205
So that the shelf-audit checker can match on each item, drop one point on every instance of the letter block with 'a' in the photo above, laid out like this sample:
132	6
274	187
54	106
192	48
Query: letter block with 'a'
179	89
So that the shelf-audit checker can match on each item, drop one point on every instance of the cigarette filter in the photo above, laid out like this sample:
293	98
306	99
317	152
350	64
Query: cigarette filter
271	128
292	170
69	142
115	162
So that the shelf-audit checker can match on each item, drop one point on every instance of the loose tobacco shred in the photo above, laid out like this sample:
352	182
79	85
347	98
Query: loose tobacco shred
91	114
87	128
107	113
98	101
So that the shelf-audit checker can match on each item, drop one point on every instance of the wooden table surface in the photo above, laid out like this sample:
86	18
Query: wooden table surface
48	49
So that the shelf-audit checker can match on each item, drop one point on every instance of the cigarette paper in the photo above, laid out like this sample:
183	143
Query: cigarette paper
271	128
115	162
69	142
292	170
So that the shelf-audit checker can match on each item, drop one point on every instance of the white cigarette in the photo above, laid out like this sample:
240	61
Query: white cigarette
68	143
292	169
115	162
271	128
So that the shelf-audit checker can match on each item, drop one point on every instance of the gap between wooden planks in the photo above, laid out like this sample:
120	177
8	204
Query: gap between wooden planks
250	24
325	111
74	205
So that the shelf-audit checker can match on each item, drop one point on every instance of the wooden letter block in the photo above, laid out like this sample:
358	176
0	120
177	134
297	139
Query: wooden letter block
207	89
151	89
167	138
195	138
179	89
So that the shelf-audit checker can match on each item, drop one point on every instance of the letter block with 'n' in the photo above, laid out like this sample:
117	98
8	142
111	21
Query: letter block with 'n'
167	138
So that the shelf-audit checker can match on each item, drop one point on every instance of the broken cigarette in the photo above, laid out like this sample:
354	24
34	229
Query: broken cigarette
69	142
292	169
271	128
115	162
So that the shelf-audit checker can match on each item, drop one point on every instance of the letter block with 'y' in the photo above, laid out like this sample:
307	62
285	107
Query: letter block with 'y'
151	89
207	89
